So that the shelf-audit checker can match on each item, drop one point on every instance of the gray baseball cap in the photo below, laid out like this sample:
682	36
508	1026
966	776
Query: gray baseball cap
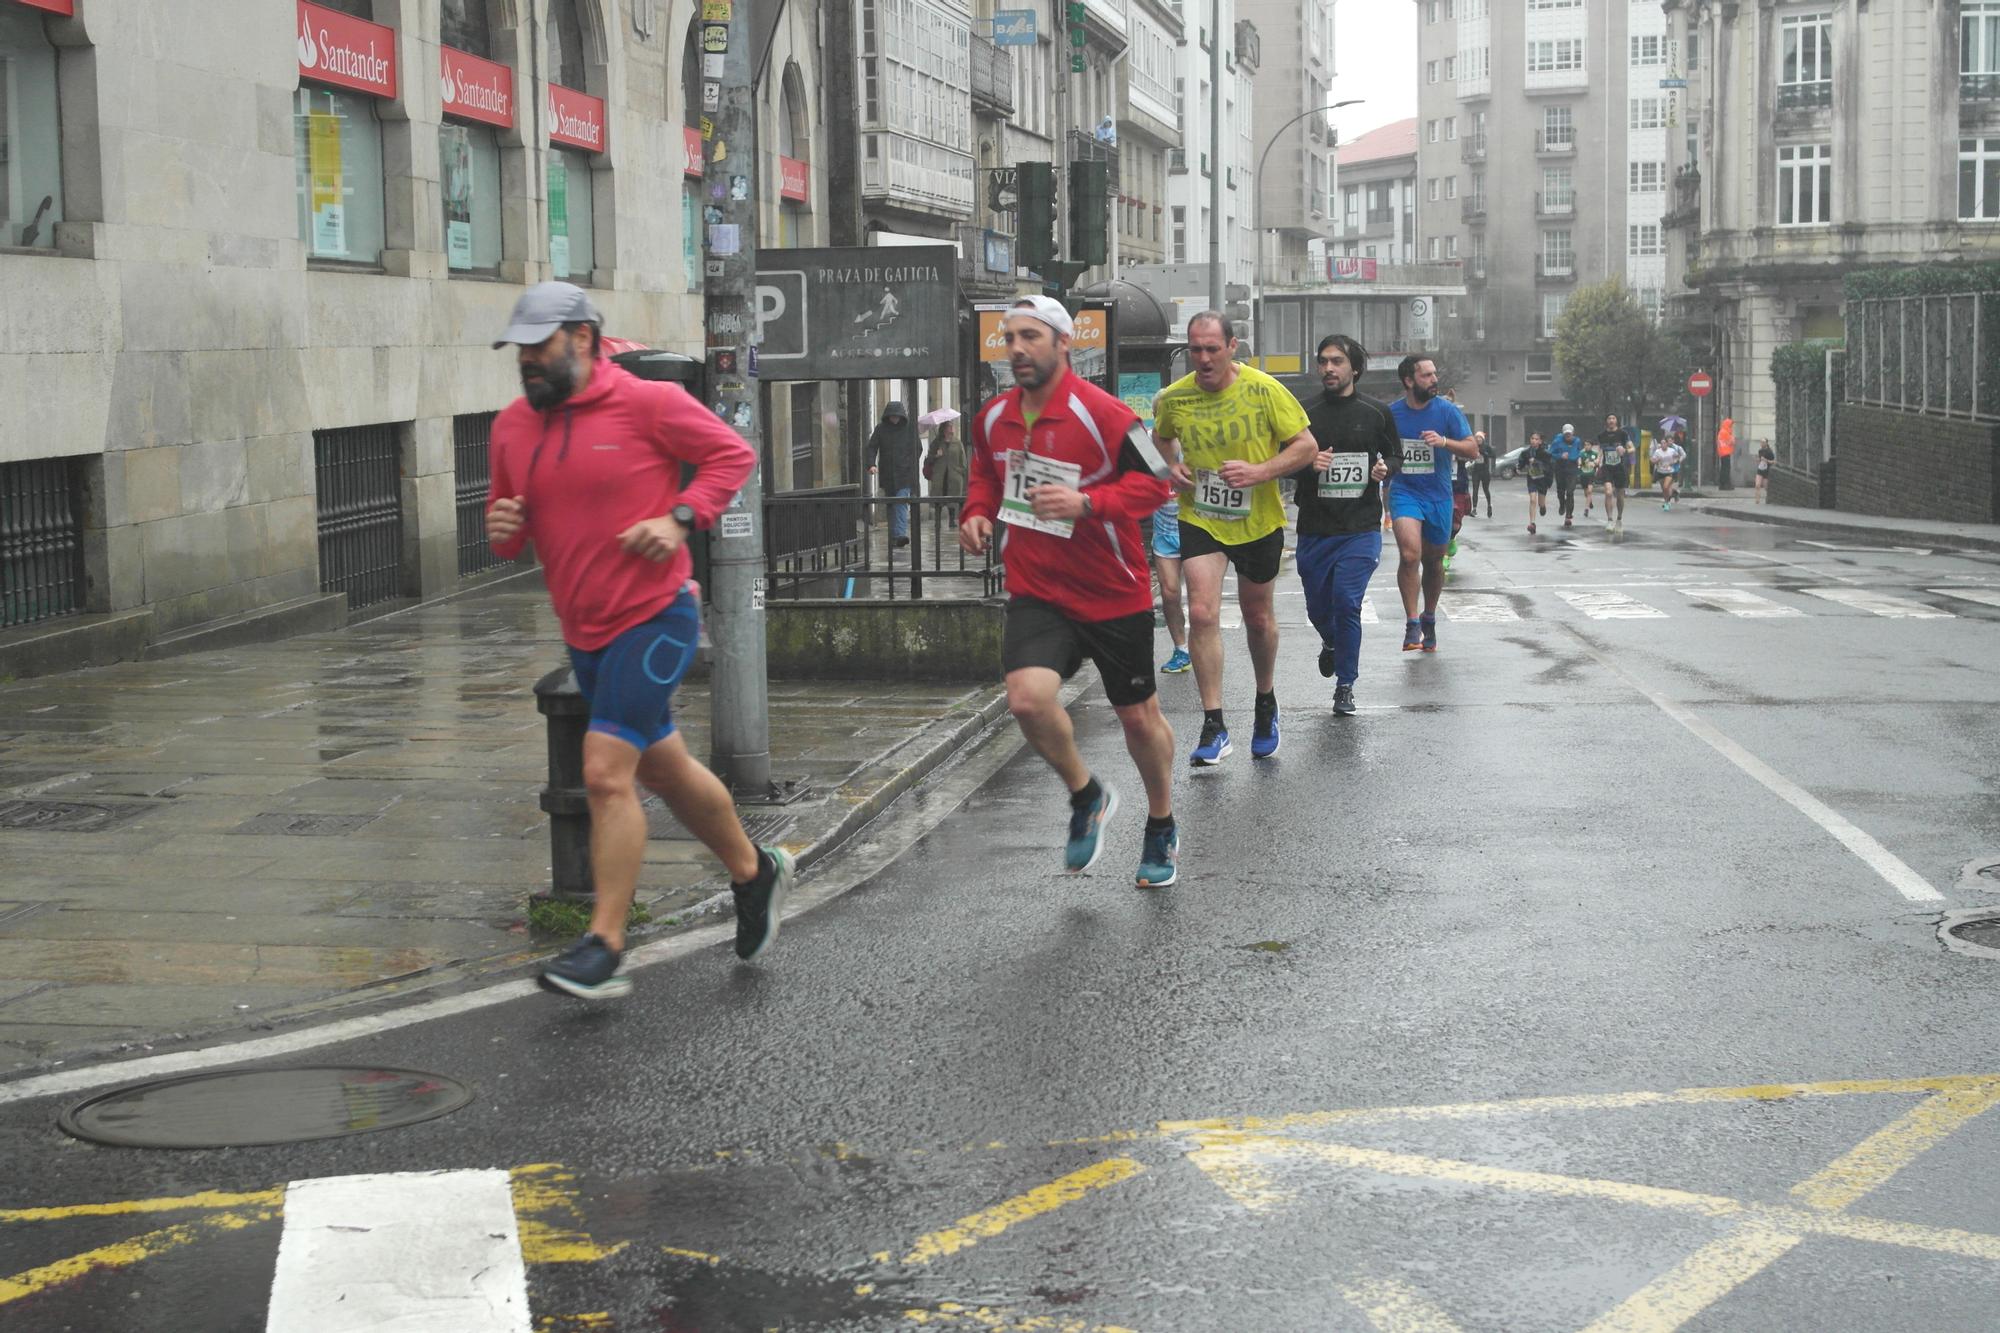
544	308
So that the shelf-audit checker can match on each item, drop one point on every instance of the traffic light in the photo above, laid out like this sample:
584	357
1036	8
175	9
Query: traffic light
1036	224
1089	211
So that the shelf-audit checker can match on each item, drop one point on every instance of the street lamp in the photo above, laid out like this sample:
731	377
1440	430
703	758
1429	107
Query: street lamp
1257	205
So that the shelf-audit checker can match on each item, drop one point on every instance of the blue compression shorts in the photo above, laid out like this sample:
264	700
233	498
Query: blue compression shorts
630	681
1406	501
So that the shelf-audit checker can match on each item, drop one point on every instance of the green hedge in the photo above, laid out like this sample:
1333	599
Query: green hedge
1923	280
1801	360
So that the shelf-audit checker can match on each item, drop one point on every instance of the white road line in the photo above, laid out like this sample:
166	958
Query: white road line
1870	550
1471	608
1984	596
1612	606
1877	857
1741	602
1879	603
1368	616
407	1251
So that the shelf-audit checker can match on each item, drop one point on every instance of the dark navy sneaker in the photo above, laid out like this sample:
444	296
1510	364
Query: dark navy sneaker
1264	733
1327	666
1430	640
1413	636
760	904
1214	746
588	970
1086	830
1159	859
1343	701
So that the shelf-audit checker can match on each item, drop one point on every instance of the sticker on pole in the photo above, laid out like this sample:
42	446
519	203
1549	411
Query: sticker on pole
737	525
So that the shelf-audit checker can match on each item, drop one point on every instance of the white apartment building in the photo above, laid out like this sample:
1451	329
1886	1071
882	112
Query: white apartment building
1190	212
1294	138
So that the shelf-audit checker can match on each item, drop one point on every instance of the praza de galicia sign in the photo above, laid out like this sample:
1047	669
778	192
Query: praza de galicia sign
857	313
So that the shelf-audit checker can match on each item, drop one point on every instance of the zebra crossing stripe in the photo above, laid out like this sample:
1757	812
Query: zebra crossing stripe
1879	604
1368	616
1472	608
1741	602
1983	596
406	1250
1610	605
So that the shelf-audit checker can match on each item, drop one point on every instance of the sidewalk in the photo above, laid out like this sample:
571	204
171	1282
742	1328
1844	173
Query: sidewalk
258	834
1901	531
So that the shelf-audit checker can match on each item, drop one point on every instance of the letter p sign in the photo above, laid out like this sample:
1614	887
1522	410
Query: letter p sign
781	315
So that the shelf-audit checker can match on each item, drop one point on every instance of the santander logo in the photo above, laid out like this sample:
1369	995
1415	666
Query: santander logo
347	52
308	52
447	89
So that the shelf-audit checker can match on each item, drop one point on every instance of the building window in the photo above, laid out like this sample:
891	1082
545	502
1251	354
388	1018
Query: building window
1180	233
1558	251
1979	180
337	149
1561	53
1435	248
1648	113
1979	37
1649	50
469	168
1693	49
572	253
1555	4
1646	177
1649	303
1541	367
1451	187
1451	129
1643	238
1430	71
1558	127
1805	185
1431	128
1450	68
30	132
1552	309
1806	41
1558	188
1451	249
1432	187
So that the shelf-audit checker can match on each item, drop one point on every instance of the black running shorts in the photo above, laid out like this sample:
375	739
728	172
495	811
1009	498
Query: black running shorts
1613	476
1040	635
1256	561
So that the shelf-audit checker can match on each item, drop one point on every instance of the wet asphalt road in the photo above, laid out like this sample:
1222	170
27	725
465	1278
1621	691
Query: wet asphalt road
1289	1092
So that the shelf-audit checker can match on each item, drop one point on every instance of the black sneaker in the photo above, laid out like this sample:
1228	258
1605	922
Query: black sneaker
588	970
1343	701
1326	663
760	904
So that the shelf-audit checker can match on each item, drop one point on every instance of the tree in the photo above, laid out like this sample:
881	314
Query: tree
1608	353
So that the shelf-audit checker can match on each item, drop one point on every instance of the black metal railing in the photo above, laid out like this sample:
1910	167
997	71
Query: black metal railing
471	454
1794	95
41	540
1555	204
835	542
1546	142
360	500
1979	87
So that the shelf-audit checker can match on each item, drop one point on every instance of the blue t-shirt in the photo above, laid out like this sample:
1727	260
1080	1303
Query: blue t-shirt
1441	415
1566	449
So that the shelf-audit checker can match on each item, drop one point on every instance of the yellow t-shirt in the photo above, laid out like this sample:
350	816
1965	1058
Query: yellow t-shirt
1250	420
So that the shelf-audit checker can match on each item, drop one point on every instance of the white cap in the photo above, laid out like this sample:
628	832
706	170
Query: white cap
1568	429
1048	310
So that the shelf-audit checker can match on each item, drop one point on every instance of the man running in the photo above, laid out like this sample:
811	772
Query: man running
1538	465
1340	509
1482	476
1237	430
1432	431
1667	456
1068	471
1586	475
1567	451
596	487
1614	449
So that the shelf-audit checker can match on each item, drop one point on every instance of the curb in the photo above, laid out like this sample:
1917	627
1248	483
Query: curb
1758	514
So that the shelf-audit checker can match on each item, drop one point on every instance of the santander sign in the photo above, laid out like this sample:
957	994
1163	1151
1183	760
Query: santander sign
345	51
475	89
576	118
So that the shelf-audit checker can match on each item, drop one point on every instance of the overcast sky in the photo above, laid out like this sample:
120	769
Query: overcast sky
1375	52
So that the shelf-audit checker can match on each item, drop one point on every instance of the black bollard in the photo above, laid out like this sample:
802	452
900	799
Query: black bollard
564	799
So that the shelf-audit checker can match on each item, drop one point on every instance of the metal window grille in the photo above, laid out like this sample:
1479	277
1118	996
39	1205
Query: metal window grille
471	448
359	471
1930	353
41	541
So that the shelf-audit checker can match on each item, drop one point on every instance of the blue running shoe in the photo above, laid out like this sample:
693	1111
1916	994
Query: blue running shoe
1160	859
1086	830
1214	746
1413	636
1177	663
1264	734
1429	642
588	970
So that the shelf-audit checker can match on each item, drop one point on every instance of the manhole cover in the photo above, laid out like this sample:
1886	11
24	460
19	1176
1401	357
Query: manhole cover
257	1108
304	826
1983	934
68	816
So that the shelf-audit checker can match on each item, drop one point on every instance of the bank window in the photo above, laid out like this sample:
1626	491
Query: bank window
337	148
571	253
469	162
1805	185
30	132
1979	180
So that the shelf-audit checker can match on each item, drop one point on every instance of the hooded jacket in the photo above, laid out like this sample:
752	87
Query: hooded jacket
892	446
593	465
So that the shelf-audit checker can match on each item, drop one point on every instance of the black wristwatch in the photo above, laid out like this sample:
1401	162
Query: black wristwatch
683	514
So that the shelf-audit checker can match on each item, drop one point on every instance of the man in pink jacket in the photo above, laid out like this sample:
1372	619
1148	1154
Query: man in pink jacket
587	465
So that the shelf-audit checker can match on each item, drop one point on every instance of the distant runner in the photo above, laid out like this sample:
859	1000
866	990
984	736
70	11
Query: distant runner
1586	475
1567	450
1615	449
1538	465
1667	456
1433	431
1764	460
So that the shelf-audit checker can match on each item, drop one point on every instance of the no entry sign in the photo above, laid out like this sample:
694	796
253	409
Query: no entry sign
1699	384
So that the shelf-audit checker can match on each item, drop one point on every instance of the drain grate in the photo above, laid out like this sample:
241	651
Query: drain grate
69	816
764	827
259	1108
304	826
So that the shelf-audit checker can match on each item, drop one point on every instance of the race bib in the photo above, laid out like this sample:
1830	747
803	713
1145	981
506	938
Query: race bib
1216	498
1613	455
1418	457
1025	471
1345	478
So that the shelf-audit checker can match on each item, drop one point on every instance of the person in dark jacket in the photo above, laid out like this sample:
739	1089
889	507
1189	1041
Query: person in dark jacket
1538	465
1340	509
892	459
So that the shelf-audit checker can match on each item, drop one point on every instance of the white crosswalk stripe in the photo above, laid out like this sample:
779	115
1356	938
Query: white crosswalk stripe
1610	605
414	1250
1475	608
1741	602
1983	596
1879	603
1368	616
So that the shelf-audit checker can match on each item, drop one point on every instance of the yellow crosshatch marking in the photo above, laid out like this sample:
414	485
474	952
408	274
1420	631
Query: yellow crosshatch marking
1238	1154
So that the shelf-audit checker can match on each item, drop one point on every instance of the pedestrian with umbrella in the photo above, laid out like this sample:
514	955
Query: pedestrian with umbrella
945	463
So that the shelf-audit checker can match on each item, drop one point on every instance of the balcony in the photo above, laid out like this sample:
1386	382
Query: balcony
1381	217
992	77
1087	148
1475	271
1685	210
1472	148
1554	270
1551	205
1473	208
1555	145
1804	96
1979	87
1177	161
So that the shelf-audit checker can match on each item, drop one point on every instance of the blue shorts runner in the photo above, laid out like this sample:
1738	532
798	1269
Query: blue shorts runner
630	681
1167	530
1433	509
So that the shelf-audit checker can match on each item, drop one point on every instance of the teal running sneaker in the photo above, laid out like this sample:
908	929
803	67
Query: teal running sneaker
1159	859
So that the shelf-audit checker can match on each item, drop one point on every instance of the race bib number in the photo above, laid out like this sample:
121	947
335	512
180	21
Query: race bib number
1216	498
1345	478
1613	455
1025	471
1418	457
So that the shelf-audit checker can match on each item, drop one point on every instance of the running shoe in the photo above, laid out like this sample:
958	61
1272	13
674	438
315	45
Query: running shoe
1086	830
588	970
1214	746
1343	701
760	904
1567	523
1413	633
1326	662
1264	734
1531	529
1177	662
1159	859
1430	627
